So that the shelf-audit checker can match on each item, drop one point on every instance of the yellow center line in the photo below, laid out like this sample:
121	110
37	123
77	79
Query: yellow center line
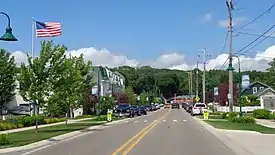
142	136
136	136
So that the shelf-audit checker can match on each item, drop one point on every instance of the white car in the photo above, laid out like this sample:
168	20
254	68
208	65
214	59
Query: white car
198	109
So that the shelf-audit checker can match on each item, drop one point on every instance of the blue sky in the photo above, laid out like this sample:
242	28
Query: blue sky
142	29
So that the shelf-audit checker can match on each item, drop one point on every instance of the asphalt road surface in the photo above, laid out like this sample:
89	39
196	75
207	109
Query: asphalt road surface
166	132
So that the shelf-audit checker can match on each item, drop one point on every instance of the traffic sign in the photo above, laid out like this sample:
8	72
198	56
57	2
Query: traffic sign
205	114
109	115
197	99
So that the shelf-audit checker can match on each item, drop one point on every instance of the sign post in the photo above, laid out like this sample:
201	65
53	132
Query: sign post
197	99
109	115
205	114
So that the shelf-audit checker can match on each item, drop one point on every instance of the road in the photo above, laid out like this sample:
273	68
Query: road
168	131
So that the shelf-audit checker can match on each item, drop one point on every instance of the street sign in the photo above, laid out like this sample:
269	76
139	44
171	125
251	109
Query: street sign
229	96
197	99
109	115
205	114
216	91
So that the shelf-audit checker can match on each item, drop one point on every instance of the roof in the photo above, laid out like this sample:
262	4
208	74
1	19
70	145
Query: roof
259	93
248	87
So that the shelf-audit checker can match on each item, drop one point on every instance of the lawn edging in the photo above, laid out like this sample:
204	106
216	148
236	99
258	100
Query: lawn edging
59	138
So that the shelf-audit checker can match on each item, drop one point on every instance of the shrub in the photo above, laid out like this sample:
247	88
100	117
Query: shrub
7	126
261	114
20	125
5	139
101	118
224	115
216	113
232	114
84	116
272	116
245	119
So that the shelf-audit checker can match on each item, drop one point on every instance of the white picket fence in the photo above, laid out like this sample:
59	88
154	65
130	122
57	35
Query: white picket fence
237	109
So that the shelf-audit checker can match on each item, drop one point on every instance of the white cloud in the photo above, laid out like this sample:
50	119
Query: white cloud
236	21
168	60
207	17
20	57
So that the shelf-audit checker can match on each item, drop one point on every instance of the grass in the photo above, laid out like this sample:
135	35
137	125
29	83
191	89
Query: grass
211	117
29	136
240	126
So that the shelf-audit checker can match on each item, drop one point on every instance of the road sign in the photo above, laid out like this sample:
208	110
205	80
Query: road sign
197	99
205	114
229	96
109	115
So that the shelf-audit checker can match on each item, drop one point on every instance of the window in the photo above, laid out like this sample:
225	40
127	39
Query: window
255	90
261	88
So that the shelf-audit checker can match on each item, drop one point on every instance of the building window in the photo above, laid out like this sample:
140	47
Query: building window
255	90
261	88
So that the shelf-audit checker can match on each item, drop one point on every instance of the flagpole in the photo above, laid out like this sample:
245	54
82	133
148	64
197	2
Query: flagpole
33	29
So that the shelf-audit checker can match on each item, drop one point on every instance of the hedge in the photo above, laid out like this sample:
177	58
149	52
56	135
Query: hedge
261	114
245	119
27	121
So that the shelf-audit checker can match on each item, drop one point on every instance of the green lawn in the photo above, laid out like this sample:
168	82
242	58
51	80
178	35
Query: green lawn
240	126
29	136
211	117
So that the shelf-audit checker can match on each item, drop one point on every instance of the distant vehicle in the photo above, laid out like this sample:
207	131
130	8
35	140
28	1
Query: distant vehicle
198	109
189	107
175	105
143	110
167	106
135	111
157	106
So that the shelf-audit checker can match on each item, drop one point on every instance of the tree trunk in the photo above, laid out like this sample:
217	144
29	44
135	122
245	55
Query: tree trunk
71	112
36	118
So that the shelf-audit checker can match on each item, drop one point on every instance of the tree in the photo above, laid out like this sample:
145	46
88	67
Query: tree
69	81
143	98
7	79
223	94
106	102
34	77
130	95
122	98
167	83
145	83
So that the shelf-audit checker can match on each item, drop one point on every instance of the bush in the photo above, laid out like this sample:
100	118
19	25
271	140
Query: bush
101	118
245	119
7	126
54	120
84	116
272	116
5	139
224	115
232	114
216	113
261	114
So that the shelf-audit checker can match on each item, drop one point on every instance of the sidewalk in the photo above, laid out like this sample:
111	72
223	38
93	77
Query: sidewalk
243	142
45	125
266	123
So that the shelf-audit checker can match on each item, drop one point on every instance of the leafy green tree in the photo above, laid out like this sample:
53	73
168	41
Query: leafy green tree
143	98
7	78
106	102
34	77
145	83
130	95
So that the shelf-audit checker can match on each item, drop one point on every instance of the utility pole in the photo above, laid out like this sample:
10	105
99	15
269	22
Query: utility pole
191	84
203	79
230	68
197	80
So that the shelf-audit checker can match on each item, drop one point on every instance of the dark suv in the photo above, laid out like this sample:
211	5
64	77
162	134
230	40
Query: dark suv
175	105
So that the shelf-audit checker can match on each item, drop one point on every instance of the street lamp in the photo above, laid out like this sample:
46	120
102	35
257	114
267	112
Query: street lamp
8	36
240	84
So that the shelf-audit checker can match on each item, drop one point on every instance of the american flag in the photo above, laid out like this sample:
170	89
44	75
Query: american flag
48	29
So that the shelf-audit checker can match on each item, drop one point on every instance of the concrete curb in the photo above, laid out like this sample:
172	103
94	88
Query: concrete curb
233	145
67	136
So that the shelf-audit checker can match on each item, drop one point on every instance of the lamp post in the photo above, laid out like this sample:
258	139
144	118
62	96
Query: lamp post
240	86
8	36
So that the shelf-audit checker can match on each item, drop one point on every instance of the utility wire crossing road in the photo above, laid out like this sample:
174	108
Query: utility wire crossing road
166	132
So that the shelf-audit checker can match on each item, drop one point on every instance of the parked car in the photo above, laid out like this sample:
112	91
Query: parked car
149	108
189	107
143	110
135	111
198	109
122	109
157	106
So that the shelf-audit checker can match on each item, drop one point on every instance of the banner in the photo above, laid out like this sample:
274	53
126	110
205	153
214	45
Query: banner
245	81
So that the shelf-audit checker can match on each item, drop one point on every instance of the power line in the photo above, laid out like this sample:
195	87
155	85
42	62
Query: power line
224	64
255	39
252	34
266	37
256	18
224	44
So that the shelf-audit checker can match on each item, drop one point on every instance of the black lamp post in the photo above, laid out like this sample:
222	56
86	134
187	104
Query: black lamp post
8	36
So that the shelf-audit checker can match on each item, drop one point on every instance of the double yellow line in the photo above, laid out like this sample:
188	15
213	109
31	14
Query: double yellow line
131	143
